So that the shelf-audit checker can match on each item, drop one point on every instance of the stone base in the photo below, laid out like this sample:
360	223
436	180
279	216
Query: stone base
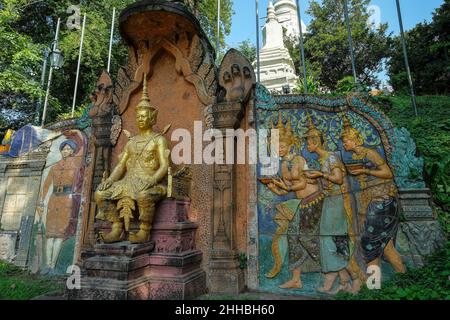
167	268
115	272
420	234
225	274
418	239
414	204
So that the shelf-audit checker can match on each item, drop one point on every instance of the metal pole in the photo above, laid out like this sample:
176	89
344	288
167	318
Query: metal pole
258	62
111	39
44	72
78	67
350	40
405	55
302	48
218	31
55	44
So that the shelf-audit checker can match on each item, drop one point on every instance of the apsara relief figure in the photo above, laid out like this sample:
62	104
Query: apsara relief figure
134	186
299	217
335	222
378	215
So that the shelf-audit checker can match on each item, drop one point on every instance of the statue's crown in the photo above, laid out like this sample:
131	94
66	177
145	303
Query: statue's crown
145	104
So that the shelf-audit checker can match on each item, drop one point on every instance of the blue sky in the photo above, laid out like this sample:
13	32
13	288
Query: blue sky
413	12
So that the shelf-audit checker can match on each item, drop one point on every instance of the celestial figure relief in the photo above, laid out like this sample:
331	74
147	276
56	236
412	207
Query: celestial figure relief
62	178
378	215
135	183
335	223
343	218
299	217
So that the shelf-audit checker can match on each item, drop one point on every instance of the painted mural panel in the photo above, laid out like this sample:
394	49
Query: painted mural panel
58	209
331	210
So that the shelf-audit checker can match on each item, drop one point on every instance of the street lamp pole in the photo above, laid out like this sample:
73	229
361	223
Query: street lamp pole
111	39
350	41
55	45
405	55
258	62
78	67
302	47
218	31
44	72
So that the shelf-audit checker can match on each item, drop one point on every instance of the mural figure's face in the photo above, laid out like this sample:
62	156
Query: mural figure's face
283	149
312	143
4	249
144	119
67	151
349	144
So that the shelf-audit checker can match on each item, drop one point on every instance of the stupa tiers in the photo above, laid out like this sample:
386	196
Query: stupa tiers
277	67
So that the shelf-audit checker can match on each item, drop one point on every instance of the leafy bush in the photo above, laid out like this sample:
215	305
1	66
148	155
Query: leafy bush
431	132
430	282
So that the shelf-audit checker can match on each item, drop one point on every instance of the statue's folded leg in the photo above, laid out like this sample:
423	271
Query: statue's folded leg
107	211
146	202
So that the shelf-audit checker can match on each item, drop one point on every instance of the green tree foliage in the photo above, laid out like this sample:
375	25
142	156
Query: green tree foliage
206	12
248	49
428	54
326	44
19	66
27	27
431	132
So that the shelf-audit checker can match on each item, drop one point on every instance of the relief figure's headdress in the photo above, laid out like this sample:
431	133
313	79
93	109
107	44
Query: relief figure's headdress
286	133
312	130
351	133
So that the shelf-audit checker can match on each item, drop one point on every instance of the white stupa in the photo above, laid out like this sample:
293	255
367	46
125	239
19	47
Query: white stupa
277	67
286	12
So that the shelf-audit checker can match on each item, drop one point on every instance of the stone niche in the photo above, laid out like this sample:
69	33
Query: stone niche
168	46
166	43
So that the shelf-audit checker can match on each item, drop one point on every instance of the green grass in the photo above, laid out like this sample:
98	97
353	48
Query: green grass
18	284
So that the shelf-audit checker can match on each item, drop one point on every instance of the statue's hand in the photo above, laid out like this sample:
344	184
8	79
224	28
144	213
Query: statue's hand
106	184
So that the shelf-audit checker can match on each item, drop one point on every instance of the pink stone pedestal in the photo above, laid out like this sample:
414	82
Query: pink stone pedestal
167	268
175	272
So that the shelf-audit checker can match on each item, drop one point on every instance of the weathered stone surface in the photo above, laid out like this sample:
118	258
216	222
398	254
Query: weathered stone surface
166	268
7	246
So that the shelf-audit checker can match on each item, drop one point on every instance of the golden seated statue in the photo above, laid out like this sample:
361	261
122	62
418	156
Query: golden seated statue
135	183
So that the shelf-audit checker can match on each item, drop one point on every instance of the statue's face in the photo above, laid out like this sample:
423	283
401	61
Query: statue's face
144	119
67	151
349	144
